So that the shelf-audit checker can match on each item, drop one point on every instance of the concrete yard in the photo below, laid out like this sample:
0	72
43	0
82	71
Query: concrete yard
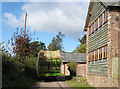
51	85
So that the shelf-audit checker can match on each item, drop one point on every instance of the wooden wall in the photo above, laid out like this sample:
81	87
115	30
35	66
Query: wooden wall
97	10
99	67
96	40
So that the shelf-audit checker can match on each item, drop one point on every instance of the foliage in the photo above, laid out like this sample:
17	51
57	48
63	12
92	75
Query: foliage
3	50
30	67
36	46
21	45
72	66
81	49
56	43
83	40
15	74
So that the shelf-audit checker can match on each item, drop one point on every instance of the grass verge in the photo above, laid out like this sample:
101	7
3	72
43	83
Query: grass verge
78	85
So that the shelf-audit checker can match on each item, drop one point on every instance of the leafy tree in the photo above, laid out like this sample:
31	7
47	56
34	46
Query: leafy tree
56	43
83	40
36	46
21	45
81	48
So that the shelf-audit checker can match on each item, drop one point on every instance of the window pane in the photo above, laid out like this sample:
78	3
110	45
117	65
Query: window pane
106	51
89	30
101	20
97	23
92	27
106	14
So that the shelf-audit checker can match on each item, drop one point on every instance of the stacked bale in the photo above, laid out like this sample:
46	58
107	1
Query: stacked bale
48	61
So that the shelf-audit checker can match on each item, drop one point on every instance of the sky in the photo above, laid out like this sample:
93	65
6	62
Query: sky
47	19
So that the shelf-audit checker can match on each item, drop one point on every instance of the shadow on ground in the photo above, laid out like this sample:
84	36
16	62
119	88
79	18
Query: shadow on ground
56	78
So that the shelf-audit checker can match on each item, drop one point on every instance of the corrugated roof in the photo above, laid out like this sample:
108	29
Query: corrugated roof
73	57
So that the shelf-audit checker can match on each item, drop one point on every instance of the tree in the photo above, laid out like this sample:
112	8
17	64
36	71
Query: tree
36	46
81	48
83	40
56	43
21	45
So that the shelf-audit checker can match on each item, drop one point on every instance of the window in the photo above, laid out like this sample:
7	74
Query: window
93	56
106	15
101	20
100	53
89	59
92	27
96	55
96	24
105	52
89	30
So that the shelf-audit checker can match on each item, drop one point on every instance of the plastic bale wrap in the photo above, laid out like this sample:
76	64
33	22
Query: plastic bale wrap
47	57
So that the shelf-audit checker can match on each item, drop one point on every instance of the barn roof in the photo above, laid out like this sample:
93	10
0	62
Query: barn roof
116	3
74	57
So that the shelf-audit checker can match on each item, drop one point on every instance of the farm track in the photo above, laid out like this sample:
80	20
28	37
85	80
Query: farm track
51	85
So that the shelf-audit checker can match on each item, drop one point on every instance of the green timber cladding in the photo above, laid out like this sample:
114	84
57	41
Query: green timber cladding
99	38
97	10
96	40
98	67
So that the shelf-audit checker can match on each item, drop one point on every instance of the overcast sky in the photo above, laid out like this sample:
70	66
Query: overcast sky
46	18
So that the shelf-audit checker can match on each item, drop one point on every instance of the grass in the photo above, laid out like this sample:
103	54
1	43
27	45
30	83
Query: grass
78	85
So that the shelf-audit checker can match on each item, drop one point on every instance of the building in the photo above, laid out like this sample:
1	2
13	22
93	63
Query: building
79	58
103	43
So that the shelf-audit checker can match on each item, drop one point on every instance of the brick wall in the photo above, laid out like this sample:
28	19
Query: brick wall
81	69
101	81
64	69
113	39
119	51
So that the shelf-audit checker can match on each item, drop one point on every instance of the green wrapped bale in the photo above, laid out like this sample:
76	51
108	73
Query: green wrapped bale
48	62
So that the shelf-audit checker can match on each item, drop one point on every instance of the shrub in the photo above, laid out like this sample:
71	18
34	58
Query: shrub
16	74
72	68
30	67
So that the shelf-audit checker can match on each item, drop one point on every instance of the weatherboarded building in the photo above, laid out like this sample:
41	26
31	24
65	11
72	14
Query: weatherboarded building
79	58
103	43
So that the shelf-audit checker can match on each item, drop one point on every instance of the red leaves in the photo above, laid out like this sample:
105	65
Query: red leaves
21	45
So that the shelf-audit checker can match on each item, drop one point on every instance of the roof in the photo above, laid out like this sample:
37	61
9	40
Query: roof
116	3
74	57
